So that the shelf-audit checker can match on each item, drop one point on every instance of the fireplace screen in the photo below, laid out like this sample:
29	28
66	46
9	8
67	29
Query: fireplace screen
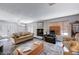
39	32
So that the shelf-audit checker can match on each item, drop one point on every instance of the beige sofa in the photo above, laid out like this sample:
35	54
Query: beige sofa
71	44
22	36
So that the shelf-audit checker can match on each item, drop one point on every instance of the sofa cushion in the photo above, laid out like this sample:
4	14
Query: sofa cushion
24	33
15	35
72	45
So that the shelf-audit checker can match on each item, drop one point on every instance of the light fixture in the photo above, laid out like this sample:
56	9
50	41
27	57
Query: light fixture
65	34
25	22
50	4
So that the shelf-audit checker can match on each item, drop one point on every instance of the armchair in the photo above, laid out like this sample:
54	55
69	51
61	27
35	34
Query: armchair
50	37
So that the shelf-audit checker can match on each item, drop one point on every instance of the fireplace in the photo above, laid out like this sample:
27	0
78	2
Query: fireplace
39	32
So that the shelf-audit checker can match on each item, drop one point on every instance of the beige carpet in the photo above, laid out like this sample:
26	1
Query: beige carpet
49	48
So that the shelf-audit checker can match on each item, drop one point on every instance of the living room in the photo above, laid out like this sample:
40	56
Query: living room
39	28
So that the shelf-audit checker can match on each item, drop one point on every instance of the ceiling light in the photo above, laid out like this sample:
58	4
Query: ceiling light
65	34
24	21
50	4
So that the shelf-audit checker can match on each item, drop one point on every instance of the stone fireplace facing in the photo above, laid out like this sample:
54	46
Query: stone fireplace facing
40	29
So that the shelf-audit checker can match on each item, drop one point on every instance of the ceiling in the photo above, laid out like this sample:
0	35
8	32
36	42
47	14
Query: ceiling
30	12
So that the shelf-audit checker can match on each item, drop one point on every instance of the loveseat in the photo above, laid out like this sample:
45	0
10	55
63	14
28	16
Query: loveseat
71	44
22	36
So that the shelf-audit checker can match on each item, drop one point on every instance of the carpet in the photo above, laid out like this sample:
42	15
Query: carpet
49	48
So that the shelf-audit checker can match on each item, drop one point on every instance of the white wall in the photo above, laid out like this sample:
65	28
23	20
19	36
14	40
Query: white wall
7	28
32	28
65	24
